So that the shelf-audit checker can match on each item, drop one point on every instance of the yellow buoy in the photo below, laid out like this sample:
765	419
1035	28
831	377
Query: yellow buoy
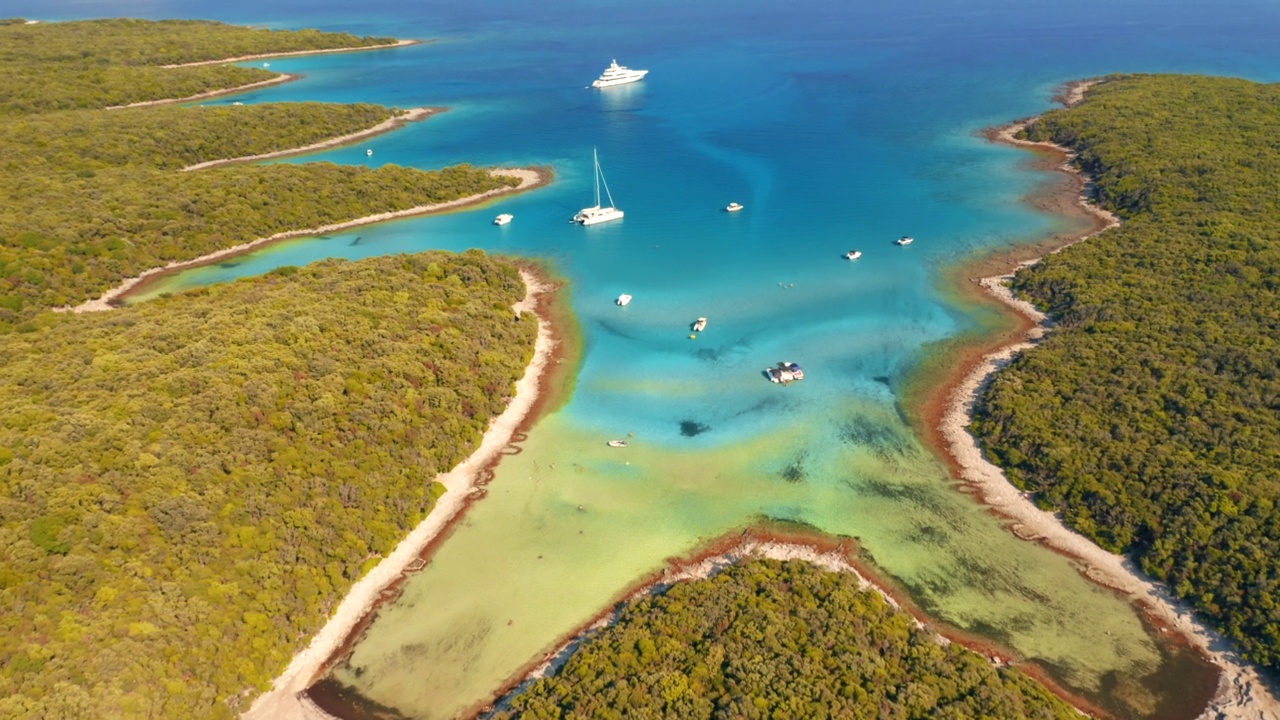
693	337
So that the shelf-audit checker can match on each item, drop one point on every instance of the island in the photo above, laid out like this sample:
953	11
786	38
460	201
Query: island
191	486
1148	416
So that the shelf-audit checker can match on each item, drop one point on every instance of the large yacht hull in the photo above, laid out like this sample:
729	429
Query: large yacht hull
639	75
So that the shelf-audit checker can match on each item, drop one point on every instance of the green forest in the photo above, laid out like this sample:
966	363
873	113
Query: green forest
188	486
95	196
103	63
1151	416
770	639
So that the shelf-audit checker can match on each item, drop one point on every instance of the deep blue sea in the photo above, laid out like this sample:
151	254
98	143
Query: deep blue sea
838	126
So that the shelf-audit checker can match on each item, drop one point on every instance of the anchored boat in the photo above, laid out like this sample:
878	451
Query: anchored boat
617	74
597	213
785	372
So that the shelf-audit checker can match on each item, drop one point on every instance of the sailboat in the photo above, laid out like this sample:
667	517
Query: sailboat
596	213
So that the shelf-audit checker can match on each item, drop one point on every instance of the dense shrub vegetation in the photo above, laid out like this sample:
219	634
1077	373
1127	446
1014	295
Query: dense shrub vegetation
769	639
189	485
94	196
102	63
1151	417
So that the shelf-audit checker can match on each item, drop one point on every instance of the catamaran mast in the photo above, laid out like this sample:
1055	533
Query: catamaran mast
596	157
600	179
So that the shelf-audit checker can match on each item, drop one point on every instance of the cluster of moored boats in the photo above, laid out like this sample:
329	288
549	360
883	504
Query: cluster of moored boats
784	372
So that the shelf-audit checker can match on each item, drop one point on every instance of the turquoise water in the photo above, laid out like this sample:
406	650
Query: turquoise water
838	127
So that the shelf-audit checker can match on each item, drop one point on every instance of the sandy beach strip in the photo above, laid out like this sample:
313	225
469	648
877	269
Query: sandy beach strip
1242	692
282	702
405	116
282	78
530	178
209	93
243	58
751	546
827	553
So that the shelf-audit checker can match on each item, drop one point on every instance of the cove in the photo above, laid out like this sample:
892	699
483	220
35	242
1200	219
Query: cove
837	129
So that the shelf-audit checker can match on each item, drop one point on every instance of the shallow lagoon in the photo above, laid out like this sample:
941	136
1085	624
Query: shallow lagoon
837	128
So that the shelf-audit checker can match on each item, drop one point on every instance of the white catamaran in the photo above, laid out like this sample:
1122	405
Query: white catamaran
596	213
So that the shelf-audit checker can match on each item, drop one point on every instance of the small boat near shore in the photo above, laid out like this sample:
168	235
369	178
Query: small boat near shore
905	240
617	443
733	207
853	255
784	373
503	219
700	324
623	299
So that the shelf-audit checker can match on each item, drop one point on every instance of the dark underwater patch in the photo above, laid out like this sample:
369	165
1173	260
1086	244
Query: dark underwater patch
883	440
614	330
693	428
794	472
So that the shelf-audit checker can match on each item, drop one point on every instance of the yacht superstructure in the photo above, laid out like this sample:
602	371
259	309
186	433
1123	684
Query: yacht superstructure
617	74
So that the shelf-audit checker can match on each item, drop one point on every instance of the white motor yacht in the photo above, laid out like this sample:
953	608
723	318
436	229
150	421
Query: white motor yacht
905	240
623	299
853	255
503	219
733	207
617	74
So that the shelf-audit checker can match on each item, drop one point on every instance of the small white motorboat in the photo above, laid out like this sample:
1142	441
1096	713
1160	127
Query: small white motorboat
700	325
905	240
853	255
733	207
617	443
369	153
503	219
623	299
